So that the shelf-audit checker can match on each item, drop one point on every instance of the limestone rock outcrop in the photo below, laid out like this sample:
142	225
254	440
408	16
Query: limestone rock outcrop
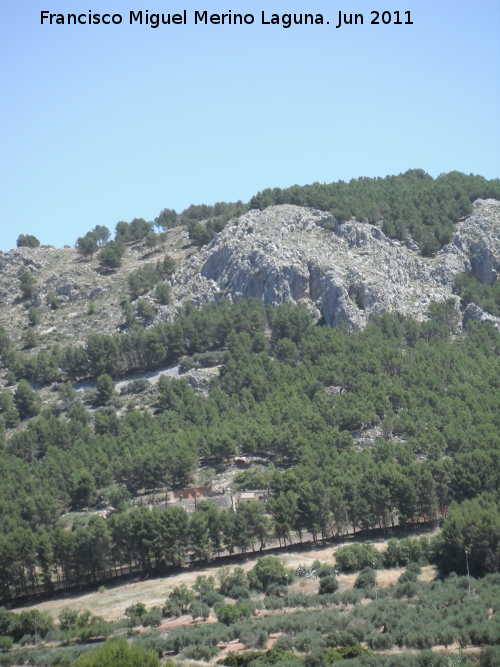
348	272
473	312
479	238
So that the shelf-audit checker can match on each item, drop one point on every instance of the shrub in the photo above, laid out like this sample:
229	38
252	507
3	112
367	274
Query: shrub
26	640
381	641
152	641
31	338
239	593
105	388
179	601
145	311
315	659
408	575
414	567
402	552
328	584
277	590
213	598
98	628
408	589
348	652
308	641
27	241
152	618
68	619
172	609
118	497
348	638
144	278
272	603
324	570
138	609
350	597
302	600
327	600
257	639
137	386
117	653
6	643
230	613
52	301
366	579
200	652
357	556
202	360
27	282
332	655
110	257
199	610
269	570
162	294
490	656
34	316
231	580
284	643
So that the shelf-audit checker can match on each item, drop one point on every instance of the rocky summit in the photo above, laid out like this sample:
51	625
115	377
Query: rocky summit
346	272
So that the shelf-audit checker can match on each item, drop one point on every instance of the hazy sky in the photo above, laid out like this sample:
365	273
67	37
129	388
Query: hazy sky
106	123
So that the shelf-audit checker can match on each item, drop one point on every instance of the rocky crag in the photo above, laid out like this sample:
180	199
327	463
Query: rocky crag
348	272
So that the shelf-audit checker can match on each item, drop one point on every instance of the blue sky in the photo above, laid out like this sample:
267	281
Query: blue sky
100	124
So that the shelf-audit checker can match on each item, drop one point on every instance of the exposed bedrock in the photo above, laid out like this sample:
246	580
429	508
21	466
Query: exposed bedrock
349	272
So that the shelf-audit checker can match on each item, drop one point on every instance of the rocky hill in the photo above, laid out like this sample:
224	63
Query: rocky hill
345	272
89	298
398	421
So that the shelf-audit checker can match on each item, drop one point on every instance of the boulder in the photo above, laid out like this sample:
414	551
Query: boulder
473	312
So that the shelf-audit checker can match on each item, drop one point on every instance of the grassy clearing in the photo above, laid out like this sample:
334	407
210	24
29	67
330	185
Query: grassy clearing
153	591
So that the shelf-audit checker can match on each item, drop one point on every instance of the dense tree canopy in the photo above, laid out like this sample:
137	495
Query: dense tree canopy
434	398
410	204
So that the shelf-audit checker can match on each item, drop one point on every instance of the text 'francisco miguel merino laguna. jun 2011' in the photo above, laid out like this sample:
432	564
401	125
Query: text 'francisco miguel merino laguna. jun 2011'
203	17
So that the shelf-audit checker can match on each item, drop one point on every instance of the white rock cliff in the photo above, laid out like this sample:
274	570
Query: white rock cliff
348	272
